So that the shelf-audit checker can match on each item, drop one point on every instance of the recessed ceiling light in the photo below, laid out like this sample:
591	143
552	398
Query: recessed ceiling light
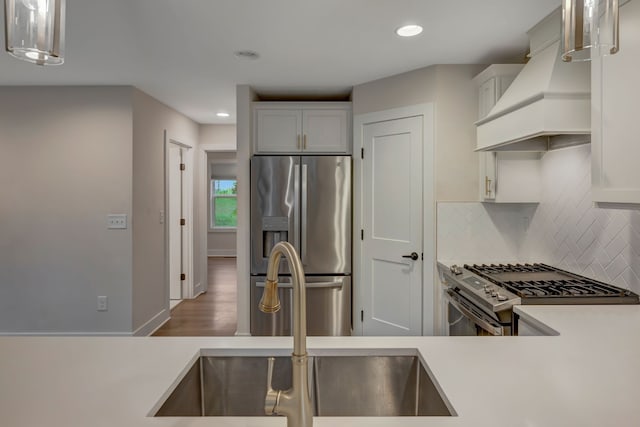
246	54
409	30
222	114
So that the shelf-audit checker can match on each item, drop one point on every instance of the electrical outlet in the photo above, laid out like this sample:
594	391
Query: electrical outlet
102	303
116	221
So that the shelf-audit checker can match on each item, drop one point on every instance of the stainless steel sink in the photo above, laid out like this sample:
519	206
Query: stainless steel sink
342	384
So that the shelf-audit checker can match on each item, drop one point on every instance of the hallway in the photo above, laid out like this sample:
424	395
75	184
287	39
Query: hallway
212	313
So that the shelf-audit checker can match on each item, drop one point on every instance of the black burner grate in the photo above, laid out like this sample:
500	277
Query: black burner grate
569	288
543	284
509	268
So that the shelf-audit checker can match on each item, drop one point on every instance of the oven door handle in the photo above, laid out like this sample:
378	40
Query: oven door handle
455	301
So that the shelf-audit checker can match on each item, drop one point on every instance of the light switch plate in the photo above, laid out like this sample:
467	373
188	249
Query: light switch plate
102	303
116	221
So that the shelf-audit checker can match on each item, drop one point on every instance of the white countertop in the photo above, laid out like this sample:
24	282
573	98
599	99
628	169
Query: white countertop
587	376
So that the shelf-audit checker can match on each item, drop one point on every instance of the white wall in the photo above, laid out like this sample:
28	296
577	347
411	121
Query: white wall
456	112
150	120
402	90
244	97
455	98
565	230
214	137
65	163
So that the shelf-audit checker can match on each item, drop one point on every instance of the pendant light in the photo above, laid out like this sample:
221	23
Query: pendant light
589	27
34	30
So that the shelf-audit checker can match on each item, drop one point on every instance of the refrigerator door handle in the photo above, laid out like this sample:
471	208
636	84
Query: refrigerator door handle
309	285
296	207
303	203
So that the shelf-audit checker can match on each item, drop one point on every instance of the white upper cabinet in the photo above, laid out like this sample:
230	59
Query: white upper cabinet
505	177
310	127
615	139
492	82
278	130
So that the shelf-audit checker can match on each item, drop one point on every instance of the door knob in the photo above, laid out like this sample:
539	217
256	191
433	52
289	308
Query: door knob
414	256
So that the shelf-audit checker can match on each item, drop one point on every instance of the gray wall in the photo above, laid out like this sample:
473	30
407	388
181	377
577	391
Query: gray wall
70	156
150	120
66	163
455	98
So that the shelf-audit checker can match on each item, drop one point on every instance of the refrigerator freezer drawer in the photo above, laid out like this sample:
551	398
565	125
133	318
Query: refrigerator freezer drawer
328	307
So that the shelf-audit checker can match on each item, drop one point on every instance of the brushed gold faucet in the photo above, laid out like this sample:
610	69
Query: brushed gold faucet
294	403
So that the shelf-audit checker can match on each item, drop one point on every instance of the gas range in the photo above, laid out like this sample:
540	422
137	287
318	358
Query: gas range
486	294
543	284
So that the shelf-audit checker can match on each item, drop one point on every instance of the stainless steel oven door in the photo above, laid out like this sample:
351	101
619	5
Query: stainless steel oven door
467	320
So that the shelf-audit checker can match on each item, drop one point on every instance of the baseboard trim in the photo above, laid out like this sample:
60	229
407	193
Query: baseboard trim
66	334
221	252
153	324
198	289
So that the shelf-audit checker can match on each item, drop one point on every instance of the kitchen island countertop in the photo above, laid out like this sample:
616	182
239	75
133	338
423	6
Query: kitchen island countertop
586	376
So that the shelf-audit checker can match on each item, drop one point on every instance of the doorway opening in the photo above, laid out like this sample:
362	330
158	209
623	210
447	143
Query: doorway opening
178	221
212	313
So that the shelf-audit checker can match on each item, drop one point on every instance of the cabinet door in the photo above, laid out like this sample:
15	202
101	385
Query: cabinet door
487	176
325	131
487	97
278	131
615	126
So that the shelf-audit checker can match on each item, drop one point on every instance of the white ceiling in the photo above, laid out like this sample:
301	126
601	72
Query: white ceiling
181	51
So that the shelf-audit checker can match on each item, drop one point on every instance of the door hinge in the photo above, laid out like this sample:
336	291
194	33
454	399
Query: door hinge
182	166
183	276
183	221
422	255
362	315
361	234
362	153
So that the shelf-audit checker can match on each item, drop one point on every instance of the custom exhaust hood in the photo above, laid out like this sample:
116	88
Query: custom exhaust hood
547	106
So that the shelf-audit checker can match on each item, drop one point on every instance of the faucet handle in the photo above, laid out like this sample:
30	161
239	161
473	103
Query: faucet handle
272	397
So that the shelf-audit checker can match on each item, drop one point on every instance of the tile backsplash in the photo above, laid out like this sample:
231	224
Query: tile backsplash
565	230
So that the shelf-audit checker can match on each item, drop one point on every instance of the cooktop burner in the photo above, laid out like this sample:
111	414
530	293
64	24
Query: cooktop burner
543	284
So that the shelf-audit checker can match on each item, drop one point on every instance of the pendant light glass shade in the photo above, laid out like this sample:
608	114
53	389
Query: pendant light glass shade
589	27
34	30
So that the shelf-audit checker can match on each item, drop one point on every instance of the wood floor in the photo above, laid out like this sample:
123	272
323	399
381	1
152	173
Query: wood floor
213	313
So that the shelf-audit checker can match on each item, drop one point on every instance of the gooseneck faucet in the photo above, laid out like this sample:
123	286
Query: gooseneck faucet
294	403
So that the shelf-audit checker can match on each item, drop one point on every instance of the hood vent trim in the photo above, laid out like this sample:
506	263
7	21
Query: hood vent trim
549	98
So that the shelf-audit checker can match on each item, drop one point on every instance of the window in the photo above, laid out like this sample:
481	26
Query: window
224	204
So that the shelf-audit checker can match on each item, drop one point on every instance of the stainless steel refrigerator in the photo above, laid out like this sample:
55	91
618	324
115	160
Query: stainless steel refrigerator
305	200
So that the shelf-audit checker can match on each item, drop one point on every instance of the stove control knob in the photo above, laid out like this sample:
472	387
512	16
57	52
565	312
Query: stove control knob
502	297
494	293
487	289
455	270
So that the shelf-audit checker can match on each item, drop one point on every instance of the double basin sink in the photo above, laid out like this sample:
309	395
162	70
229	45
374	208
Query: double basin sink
342	383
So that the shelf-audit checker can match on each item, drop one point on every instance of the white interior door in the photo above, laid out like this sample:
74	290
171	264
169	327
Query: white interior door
392	224
174	216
